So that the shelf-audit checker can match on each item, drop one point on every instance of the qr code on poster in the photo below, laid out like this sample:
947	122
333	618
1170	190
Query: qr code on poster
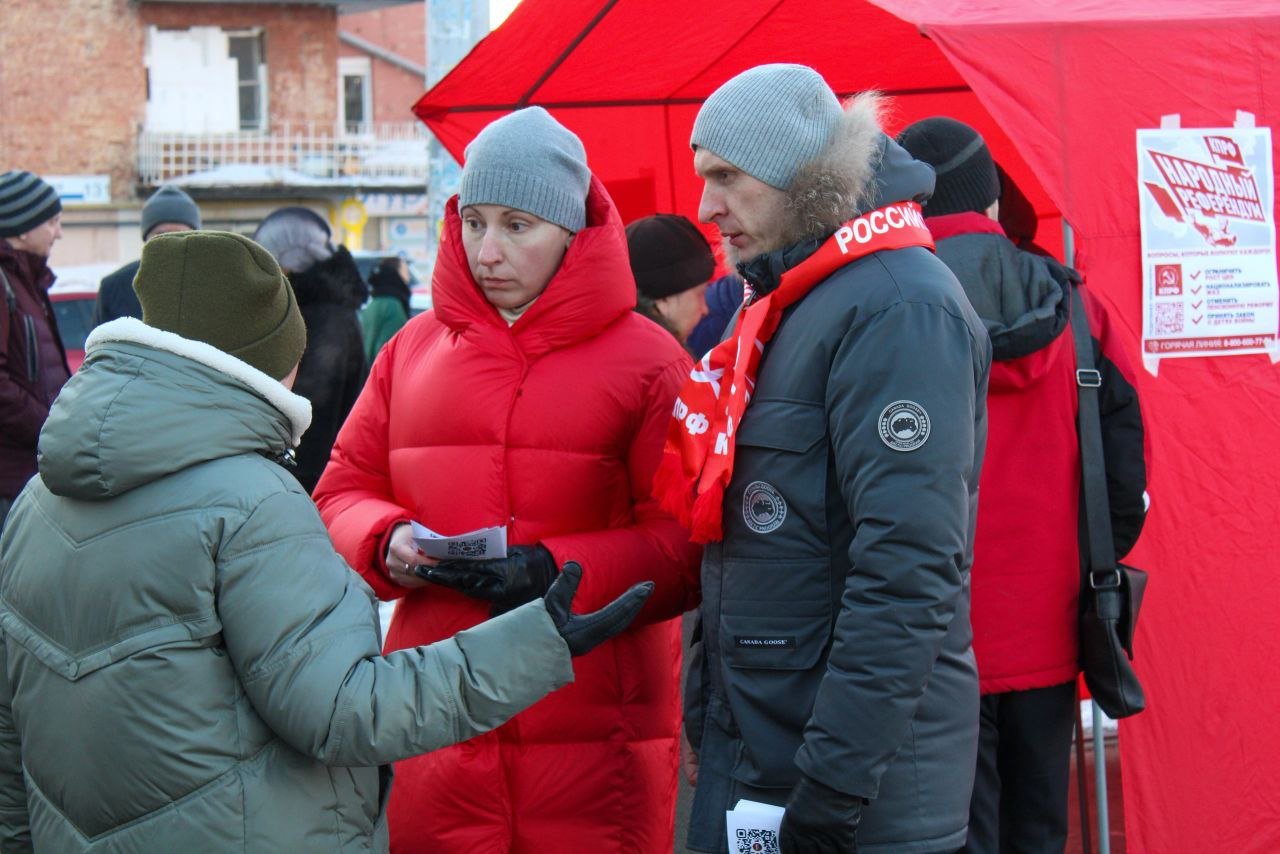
1166	317
467	548
756	842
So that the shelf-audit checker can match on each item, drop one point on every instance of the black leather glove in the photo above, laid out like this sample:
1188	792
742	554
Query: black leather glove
508	582
820	820
584	632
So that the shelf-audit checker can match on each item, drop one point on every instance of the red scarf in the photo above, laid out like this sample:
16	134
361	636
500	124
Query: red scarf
697	461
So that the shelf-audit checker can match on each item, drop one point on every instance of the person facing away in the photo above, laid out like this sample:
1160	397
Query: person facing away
388	307
1026	565
724	298
828	453
330	292
33	364
168	210
672	264
532	397
185	662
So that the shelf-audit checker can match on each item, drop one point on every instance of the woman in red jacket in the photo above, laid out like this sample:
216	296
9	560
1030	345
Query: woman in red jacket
532	397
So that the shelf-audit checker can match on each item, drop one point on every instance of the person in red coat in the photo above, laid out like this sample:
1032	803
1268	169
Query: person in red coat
532	396
1026	557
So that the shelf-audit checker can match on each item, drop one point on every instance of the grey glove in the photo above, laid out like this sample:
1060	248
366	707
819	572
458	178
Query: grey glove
584	632
820	820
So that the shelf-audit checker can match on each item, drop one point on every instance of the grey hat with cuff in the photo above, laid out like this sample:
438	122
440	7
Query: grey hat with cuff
769	121
528	161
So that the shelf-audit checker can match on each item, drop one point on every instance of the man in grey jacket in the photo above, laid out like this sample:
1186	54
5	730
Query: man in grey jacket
829	451
185	661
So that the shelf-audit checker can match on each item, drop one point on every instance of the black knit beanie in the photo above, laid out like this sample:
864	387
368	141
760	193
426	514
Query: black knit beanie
967	179
26	201
668	255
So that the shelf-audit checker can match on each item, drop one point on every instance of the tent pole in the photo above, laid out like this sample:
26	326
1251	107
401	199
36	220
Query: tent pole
1099	747
1082	785
1100	781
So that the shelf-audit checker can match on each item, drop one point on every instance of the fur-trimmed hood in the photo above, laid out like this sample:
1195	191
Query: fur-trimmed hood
147	403
861	169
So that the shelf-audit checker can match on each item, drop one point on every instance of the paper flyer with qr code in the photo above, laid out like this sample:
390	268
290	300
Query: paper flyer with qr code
753	828
1207	199
475	545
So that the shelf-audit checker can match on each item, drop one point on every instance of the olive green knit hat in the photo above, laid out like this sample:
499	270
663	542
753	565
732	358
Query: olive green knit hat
225	290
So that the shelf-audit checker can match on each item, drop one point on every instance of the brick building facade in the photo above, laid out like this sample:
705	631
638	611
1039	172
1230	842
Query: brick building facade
75	83
129	94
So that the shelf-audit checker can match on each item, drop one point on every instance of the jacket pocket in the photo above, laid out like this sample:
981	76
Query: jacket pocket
776	500
773	666
795	426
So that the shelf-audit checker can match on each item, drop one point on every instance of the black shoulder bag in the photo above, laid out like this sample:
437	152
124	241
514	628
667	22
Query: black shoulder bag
1110	592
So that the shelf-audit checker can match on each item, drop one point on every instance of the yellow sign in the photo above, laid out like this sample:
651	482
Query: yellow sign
352	216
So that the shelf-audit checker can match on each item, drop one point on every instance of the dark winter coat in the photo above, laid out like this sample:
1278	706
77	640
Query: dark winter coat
333	367
116	296
1026	561
836	608
33	364
724	296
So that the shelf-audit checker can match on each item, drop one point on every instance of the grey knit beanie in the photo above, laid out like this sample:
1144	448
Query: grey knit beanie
26	201
169	204
967	178
528	161
769	121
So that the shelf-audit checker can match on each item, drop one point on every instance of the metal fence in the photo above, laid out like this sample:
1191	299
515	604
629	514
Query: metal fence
296	154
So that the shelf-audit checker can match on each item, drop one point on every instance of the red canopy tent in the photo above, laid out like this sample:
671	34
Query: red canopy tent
1058	89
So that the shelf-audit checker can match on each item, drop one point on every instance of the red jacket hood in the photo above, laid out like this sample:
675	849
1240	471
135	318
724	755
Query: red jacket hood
592	288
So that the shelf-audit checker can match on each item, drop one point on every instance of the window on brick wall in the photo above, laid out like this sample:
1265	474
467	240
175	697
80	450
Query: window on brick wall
355	94
205	80
251	72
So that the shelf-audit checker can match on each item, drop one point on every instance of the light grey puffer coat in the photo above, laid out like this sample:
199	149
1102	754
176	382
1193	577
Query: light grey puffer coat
187	663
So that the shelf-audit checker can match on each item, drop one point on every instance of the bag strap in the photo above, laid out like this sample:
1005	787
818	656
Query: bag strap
1100	571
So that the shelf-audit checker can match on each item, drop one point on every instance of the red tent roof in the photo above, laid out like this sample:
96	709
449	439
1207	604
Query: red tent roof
628	78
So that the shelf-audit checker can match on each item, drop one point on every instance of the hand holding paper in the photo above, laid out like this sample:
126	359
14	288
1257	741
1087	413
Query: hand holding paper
474	545
522	576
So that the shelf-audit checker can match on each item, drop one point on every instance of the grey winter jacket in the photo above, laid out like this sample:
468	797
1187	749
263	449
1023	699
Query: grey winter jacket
835	609
187	665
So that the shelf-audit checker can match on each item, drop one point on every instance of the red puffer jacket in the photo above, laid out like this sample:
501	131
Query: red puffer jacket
553	426
1026	556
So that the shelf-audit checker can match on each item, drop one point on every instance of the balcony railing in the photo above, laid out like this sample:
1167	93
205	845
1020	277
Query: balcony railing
297	154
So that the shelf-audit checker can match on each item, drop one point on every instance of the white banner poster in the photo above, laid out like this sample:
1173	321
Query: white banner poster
1208	242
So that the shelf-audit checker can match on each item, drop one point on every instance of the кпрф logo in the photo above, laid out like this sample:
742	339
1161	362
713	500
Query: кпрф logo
904	425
